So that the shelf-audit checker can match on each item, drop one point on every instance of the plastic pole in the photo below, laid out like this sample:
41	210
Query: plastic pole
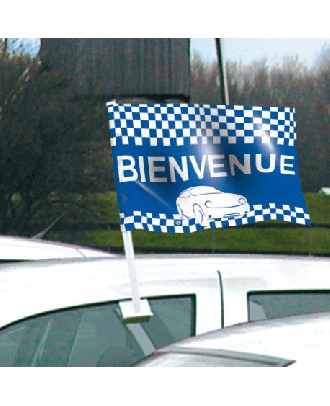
129	252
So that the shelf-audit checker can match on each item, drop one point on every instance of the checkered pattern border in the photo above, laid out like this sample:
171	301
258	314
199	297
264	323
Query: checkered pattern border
181	124
146	221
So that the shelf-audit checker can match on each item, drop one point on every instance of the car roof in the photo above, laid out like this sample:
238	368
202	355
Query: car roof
33	287
292	338
26	249
248	273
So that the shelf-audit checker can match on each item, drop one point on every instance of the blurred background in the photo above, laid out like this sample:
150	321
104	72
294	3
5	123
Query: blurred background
55	158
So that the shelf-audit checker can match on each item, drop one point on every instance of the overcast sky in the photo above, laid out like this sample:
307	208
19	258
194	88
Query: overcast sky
274	49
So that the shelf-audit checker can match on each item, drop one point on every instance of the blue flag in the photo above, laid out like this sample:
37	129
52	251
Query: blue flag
188	167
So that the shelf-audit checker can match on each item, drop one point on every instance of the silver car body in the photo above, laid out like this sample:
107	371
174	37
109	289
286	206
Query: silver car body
29	249
33	288
296	341
38	298
221	283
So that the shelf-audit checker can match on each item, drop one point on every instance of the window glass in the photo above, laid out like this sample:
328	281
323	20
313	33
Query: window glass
174	319
95	335
269	305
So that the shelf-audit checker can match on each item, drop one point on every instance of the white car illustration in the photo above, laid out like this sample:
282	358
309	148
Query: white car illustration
205	203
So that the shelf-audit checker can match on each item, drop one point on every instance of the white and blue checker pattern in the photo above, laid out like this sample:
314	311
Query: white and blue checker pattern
150	222
178	124
136	128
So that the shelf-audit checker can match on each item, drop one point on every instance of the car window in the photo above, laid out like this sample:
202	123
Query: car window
272	304
95	335
173	320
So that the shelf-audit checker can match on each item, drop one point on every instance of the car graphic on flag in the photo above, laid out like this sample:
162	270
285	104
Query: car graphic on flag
205	203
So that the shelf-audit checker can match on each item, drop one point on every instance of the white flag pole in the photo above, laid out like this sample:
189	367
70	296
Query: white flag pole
129	252
135	310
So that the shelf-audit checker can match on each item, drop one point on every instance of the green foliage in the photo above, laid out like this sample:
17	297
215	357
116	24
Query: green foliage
73	209
241	239
48	146
102	208
318	205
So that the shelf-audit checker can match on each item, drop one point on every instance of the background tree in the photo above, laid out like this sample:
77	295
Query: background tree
292	85
48	143
204	81
53	146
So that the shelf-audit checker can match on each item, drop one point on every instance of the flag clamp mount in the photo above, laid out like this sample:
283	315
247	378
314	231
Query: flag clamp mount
131	315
